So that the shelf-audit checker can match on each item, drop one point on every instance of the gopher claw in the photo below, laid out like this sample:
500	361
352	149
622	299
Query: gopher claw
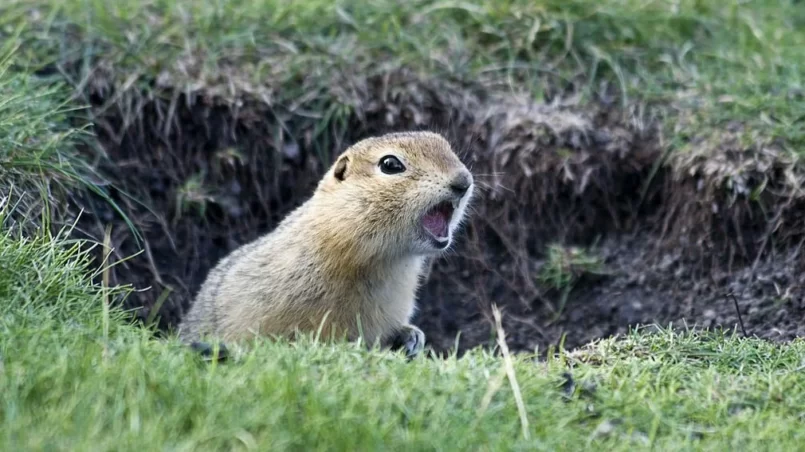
409	338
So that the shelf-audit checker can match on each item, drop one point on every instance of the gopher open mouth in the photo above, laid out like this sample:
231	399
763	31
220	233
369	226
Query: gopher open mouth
437	221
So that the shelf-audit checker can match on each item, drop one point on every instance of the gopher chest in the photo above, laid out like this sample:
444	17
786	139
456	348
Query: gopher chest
387	301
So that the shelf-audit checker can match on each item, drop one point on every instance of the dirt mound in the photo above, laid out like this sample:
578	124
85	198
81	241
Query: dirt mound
201	172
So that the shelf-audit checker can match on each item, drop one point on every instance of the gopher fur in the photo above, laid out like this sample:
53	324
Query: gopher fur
347	262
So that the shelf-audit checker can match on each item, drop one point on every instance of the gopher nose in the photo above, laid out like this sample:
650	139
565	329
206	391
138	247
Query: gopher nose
461	184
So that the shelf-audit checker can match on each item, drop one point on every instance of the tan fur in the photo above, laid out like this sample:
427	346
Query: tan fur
354	251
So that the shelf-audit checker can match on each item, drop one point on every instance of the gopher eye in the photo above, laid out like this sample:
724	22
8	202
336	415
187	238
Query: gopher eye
391	165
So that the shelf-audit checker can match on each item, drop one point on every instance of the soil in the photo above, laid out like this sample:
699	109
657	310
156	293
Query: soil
641	287
199	176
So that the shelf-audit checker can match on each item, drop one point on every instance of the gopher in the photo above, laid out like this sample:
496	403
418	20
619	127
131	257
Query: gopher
349	261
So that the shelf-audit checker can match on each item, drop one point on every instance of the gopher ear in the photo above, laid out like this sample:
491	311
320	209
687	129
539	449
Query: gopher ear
340	170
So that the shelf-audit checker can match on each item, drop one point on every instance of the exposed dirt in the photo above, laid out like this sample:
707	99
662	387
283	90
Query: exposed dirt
639	289
204	174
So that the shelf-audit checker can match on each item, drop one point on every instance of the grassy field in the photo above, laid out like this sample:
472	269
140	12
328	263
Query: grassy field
704	66
75	375
721	63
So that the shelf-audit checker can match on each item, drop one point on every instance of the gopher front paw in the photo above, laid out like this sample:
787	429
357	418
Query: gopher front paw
207	350
409	338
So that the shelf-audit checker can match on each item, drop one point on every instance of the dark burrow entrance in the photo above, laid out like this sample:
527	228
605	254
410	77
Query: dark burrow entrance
578	231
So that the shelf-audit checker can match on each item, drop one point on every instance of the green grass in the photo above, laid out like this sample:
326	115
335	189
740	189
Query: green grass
563	268
74	376
38	161
33	131
66	384
709	63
